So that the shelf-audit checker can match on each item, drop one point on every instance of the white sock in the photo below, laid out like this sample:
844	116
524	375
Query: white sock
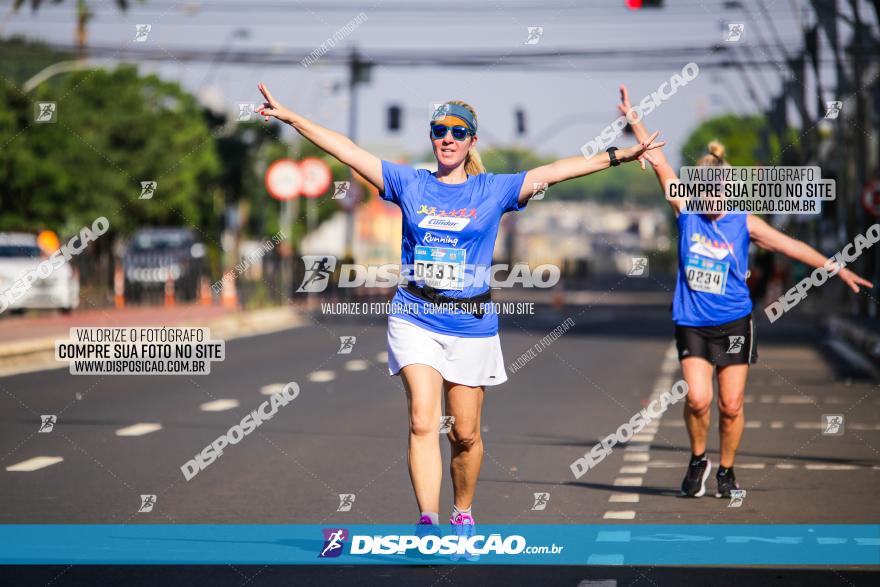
456	511
435	517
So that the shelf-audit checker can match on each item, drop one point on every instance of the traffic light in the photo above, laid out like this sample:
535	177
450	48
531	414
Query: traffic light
394	117
637	4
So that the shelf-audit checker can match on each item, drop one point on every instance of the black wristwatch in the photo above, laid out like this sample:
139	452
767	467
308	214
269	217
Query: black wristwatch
614	160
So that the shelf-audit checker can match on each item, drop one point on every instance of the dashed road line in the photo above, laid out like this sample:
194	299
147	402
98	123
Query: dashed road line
35	464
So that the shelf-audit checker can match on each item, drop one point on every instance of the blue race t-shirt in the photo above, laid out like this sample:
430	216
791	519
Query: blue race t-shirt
449	235
713	259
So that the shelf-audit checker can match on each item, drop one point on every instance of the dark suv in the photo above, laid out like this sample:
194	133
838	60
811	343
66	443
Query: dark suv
155	255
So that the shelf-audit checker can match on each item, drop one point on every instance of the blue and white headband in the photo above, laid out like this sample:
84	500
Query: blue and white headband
444	110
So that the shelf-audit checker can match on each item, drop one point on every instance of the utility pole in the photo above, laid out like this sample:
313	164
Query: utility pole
358	73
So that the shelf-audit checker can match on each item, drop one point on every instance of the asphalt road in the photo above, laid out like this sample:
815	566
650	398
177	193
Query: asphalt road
346	434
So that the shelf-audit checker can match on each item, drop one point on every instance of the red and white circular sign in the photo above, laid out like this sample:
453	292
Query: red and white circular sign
284	180
871	197
316	177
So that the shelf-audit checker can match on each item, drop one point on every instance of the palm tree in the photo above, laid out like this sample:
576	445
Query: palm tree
83	16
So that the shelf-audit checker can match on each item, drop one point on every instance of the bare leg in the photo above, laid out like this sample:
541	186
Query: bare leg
698	376
731	389
465	403
423	384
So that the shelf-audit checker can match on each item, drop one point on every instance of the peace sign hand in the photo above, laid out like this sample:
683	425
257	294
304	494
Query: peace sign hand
639	151
272	107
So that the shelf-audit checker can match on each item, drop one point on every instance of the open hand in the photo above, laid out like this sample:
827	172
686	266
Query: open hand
624	105
853	280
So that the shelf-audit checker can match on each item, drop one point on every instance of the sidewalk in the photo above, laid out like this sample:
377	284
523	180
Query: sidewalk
27	343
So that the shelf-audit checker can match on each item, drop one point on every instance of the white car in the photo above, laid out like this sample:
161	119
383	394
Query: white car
23	287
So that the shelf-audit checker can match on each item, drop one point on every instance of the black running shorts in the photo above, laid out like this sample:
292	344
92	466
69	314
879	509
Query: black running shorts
732	343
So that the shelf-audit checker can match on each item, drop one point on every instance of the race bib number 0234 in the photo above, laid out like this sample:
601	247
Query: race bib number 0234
706	275
439	267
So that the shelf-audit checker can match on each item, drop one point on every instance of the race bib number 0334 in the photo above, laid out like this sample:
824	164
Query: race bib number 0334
706	275
439	267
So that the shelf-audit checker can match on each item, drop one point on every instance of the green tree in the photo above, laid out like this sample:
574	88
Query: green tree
114	130
20	59
741	137
627	184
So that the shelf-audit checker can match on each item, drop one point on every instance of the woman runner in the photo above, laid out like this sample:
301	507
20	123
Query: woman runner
442	332
712	311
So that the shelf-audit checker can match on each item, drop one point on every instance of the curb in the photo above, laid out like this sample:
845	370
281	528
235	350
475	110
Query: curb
228	327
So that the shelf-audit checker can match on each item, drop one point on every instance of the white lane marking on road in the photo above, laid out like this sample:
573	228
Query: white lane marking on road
674	423
777	424
666	465
643	438
824	467
272	388
321	376
866	427
634	469
753	424
787	466
624	498
139	429
796	399
638	447
620	515
219	405
628	482
835	400
382	357
636	457
356	365
605	559
752	466
768	399
614	536
35	463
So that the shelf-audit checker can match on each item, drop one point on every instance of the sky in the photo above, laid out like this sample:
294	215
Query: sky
567	101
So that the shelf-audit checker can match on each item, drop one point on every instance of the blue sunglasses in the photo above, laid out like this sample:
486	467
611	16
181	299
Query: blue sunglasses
459	133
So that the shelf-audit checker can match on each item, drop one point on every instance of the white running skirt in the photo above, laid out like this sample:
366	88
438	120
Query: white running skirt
469	361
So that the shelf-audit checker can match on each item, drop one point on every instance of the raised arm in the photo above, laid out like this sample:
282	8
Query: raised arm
572	167
664	171
767	237
334	143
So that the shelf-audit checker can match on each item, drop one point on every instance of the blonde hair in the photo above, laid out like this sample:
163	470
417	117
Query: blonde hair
714	157
473	164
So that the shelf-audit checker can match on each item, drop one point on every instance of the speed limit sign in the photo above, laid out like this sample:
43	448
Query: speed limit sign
284	180
871	197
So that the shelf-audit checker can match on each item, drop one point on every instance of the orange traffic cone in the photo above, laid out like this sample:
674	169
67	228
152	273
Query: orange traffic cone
228	296
118	286
205	298
169	291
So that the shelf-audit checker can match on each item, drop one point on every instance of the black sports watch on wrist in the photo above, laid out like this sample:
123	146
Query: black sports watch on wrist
614	160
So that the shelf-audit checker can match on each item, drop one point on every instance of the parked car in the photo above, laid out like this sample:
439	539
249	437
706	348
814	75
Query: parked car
155	255
20	256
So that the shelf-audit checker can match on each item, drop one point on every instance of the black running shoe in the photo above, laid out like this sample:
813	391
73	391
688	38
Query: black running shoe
726	482
694	484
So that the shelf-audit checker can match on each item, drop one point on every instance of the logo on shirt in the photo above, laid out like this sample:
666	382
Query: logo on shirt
445	239
444	223
461	213
709	248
